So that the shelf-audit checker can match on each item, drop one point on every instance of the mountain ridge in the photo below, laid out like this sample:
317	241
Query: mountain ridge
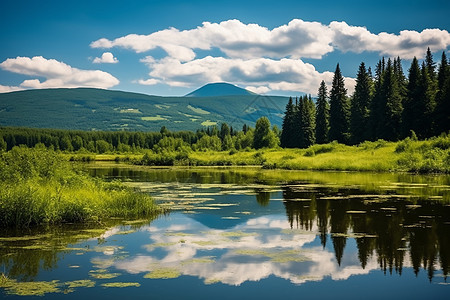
219	89
112	110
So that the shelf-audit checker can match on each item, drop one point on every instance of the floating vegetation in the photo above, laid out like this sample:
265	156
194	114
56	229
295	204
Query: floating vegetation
353	235
237	234
121	284
203	260
222	204
356	211
163	273
103	274
178	234
80	283
297	231
278	257
206	208
30	288
205	243
102	263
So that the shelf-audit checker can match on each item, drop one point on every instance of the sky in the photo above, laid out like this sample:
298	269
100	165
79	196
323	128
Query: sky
170	47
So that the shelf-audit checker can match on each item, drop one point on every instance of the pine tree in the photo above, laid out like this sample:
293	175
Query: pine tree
377	102
322	115
442	110
411	111
390	123
307	122
288	127
427	104
430	65
360	106
339	109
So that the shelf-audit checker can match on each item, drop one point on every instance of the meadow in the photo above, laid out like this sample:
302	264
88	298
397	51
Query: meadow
409	155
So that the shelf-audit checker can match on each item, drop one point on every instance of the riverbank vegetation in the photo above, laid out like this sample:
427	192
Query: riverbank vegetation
39	186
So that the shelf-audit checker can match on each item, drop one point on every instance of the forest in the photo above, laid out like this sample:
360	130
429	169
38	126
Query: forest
387	105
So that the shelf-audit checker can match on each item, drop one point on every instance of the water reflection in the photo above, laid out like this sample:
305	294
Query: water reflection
239	226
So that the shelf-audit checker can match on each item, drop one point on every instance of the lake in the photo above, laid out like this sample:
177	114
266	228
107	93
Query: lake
244	233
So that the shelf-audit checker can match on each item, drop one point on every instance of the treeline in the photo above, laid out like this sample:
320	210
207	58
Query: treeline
213	138
387	105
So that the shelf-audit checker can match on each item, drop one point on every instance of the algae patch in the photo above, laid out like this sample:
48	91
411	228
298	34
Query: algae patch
121	284
163	273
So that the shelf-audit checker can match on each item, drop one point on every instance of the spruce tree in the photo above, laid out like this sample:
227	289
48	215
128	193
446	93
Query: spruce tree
390	123
430	65
339	109
442	110
288	127
360	106
411	111
377	102
427	104
322	115
307	122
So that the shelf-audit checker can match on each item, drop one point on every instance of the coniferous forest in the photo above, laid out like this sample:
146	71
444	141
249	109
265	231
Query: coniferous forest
386	104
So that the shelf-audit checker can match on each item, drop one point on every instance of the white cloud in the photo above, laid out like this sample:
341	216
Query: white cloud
106	58
57	74
260	75
406	45
7	89
266	59
297	39
150	81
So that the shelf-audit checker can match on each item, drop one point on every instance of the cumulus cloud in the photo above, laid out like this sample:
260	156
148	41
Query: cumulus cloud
57	74
407	44
266	59
260	75
7	89
106	58
297	39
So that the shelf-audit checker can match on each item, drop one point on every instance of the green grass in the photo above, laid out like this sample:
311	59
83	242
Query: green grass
429	156
39	186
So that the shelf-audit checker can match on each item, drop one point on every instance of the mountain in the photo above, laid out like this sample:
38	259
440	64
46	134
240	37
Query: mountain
97	109
219	89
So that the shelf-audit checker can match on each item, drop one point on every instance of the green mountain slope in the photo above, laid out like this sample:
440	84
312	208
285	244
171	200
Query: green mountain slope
96	109
219	89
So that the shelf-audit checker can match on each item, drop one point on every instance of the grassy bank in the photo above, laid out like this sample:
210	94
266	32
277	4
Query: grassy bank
39	186
430	156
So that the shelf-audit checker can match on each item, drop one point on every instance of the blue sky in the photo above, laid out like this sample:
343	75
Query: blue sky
172	47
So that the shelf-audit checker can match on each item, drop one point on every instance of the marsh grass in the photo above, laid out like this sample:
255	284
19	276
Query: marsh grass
39	186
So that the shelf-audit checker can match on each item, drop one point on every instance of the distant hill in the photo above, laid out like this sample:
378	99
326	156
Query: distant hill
219	89
97	109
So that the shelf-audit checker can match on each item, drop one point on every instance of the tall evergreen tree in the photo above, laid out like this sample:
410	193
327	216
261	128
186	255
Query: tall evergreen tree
427	104
306	122
390	123
430	65
360	106
288	127
377	102
411	112
339	109
442	110
322	115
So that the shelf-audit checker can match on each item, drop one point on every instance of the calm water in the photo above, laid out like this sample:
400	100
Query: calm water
246	234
